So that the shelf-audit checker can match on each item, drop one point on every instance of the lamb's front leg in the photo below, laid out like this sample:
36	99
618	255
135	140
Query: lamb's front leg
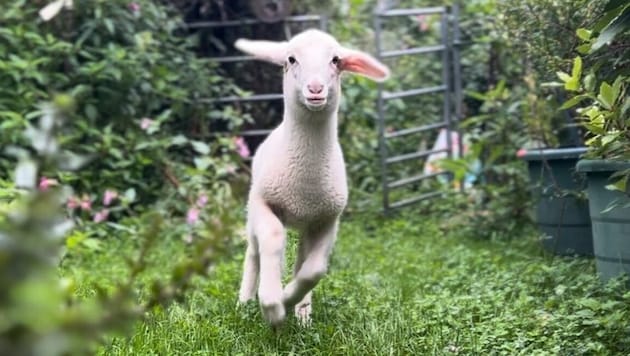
270	235
318	243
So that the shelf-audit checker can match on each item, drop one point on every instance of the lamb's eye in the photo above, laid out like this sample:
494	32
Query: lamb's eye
335	60
292	60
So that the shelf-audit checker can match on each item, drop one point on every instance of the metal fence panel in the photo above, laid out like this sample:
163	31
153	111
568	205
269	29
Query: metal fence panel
450	88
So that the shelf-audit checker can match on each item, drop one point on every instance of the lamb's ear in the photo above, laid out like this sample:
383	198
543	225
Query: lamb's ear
362	63
274	52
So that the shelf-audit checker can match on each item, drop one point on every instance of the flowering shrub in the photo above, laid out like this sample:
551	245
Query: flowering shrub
142	118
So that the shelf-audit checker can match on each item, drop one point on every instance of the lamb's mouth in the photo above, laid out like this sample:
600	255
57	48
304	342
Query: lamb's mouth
316	100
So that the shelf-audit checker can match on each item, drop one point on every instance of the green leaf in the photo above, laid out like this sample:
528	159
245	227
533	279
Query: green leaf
552	85
608	138
574	101
26	174
625	107
75	239
563	76
590	303
583	34
584	48
620	185
589	82
477	95
598	130
91	112
606	95
576	72
109	25
92	244
572	85
130	195
618	25
179	140
607	18
202	163
200	147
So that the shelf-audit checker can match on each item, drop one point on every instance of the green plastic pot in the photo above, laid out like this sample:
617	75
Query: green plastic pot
611	227
563	218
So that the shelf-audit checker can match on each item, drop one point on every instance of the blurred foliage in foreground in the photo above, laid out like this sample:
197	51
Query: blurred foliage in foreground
39	312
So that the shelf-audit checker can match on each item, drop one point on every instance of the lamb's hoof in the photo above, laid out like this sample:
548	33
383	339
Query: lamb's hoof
303	314
242	300
240	305
274	313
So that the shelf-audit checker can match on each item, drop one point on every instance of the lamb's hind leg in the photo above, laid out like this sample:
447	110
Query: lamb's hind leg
303	307
270	237
318	246
251	268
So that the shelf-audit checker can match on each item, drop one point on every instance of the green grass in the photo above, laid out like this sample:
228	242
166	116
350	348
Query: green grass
399	286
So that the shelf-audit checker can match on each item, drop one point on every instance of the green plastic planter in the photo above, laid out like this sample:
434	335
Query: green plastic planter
611	229
564	219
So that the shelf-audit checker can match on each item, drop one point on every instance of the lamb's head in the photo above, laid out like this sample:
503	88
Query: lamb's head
313	62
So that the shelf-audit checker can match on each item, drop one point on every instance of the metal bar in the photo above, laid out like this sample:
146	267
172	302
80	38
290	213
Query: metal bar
231	99
447	82
323	23
413	179
380	104
408	156
457	81
244	22
413	12
412	92
456	64
255	132
415	50
413	130
405	202
232	59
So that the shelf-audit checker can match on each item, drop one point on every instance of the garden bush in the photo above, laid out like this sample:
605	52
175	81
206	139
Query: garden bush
143	96
140	124
544	33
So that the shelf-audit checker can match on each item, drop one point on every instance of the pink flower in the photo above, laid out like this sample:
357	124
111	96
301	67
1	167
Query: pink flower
521	152
202	200
423	24
45	183
101	216
192	216
241	147
134	7
85	204
145	123
109	196
72	203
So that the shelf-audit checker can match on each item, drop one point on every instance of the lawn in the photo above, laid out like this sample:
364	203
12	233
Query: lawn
399	286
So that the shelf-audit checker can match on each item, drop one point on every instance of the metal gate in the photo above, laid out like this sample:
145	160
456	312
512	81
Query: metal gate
311	20
450	88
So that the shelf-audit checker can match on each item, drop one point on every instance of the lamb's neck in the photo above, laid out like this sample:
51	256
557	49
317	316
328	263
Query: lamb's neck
311	136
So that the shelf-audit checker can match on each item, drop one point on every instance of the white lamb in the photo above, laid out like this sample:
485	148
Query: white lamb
298	172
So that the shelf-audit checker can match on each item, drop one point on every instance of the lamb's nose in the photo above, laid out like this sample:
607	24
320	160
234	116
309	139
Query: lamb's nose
315	88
